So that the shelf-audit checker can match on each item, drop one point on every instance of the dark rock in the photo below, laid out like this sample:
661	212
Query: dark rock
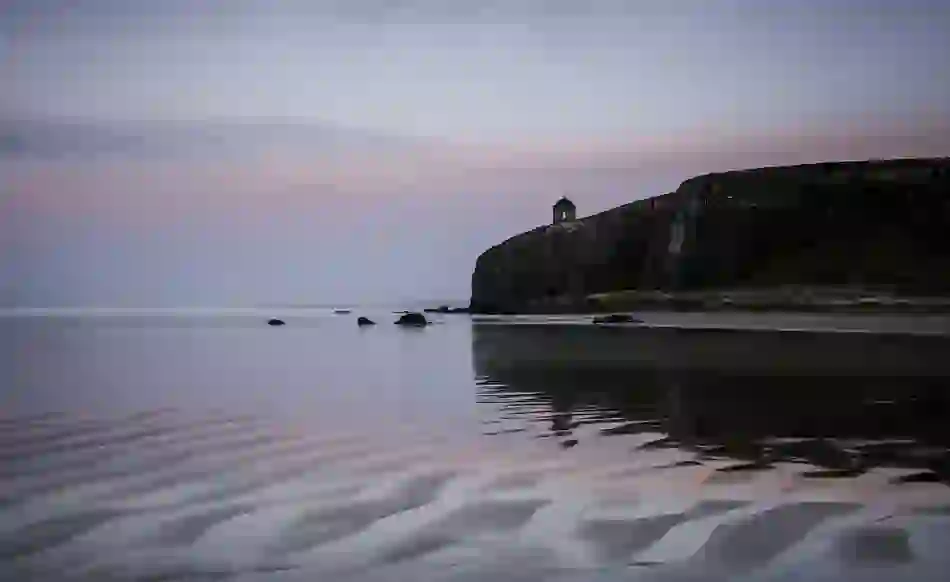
617	318
569	443
275	322
413	319
361	321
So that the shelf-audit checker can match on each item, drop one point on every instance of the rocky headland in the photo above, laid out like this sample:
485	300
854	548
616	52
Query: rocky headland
840	235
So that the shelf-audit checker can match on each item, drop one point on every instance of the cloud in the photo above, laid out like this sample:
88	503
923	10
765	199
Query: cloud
81	138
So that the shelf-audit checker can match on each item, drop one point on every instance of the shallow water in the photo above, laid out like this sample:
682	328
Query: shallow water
207	445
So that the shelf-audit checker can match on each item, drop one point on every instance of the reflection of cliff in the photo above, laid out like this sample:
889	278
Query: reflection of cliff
565	349
718	412
870	224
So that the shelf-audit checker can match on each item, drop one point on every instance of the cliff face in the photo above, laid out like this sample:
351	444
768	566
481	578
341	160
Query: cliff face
872	224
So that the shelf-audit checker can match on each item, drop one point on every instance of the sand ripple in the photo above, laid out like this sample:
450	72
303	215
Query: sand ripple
160	496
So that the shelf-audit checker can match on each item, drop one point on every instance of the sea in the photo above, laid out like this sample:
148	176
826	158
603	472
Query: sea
203	444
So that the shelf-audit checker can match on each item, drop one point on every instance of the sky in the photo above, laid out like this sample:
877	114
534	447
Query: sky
246	152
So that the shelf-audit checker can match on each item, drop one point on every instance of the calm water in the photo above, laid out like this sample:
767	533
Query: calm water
207	445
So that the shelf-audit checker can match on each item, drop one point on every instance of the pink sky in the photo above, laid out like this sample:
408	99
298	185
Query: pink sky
190	153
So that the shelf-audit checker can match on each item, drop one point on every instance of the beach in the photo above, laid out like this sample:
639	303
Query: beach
203	444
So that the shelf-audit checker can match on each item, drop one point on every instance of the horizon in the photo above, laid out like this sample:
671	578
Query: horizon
347	153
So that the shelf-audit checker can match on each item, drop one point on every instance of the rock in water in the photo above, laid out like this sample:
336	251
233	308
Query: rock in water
361	321
275	322
617	318
413	318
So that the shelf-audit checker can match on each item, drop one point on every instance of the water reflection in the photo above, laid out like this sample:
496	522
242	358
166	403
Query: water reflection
534	381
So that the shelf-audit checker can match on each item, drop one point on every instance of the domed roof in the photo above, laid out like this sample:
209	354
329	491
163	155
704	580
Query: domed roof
564	202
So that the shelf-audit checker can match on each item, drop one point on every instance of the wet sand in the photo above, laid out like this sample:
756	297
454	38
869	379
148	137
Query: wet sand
535	508
557	467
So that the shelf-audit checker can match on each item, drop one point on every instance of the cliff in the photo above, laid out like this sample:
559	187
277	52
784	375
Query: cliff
874	224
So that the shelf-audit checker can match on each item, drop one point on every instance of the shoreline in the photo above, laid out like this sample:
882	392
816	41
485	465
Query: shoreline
882	323
735	350
825	300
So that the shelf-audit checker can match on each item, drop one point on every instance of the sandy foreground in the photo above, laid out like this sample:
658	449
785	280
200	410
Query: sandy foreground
166	496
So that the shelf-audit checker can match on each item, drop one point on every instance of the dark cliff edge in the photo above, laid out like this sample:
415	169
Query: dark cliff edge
831	229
